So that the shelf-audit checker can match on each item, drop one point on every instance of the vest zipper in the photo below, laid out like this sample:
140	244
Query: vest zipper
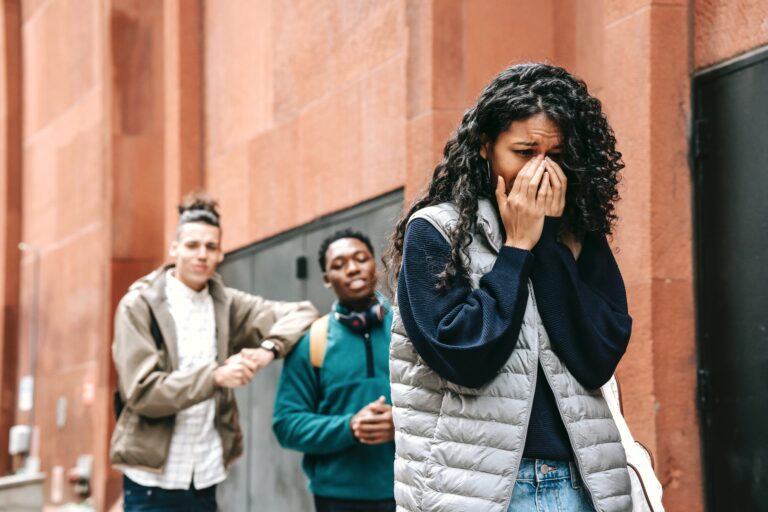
576	458
570	438
368	353
524	438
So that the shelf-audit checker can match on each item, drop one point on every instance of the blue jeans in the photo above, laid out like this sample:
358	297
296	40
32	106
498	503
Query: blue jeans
139	498
549	486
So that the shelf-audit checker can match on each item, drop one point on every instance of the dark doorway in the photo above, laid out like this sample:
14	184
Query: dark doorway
730	166
268	478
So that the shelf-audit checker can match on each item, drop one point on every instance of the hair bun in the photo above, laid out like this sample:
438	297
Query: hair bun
199	201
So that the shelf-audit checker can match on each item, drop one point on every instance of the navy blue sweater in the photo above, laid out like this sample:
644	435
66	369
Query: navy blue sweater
466	335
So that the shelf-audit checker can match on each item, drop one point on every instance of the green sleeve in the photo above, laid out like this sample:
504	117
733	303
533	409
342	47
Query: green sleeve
296	423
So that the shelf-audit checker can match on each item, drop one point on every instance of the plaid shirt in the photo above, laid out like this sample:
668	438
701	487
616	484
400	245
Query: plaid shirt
195	455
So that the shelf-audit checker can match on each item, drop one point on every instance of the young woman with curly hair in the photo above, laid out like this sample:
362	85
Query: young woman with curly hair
511	310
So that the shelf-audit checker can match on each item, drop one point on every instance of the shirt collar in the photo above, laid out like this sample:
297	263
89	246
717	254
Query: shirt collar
176	289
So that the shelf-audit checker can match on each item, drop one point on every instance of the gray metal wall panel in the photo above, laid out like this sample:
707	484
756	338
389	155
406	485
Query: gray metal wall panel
269	478
731	187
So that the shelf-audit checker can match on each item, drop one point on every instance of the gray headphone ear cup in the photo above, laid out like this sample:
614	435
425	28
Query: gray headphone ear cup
363	321
380	311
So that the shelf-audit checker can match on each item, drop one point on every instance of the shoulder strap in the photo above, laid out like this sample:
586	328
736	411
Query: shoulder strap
154	329
157	336
318	338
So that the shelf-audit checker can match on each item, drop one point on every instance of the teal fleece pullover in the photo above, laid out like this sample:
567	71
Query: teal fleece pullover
313	410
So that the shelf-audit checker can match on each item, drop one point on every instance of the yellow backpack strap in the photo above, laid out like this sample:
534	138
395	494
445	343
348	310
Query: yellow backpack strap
318	338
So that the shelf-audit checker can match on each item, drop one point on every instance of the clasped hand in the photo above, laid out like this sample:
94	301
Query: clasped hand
537	192
373	423
239	369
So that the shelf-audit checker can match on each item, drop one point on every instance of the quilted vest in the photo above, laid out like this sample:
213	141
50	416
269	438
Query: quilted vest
458	449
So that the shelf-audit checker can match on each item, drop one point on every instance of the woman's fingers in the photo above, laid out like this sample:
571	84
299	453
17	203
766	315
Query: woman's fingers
501	195
554	176
532	189
545	195
559	171
552	188
523	178
559	185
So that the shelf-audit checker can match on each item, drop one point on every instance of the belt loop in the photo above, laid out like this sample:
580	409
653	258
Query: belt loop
575	476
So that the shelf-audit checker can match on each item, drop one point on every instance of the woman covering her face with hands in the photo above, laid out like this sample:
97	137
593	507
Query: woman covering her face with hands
511	310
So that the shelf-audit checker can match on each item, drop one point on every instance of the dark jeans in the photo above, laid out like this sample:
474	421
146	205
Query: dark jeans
138	498
335	505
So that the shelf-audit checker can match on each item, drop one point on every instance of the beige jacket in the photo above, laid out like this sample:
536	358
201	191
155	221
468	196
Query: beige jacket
152	387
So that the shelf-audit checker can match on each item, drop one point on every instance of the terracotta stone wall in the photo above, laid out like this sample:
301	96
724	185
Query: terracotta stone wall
723	30
286	111
65	205
648	100
10	214
304	108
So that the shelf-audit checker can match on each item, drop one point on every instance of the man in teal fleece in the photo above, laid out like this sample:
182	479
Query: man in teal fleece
336	408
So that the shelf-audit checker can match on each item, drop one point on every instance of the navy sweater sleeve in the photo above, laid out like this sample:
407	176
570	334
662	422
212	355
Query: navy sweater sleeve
583	304
465	335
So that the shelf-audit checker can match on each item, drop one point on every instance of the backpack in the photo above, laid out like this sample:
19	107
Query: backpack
154	329
318	339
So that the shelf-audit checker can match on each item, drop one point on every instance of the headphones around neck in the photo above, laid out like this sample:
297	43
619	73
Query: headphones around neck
362	321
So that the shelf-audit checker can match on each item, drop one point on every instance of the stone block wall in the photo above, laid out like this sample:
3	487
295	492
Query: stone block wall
289	110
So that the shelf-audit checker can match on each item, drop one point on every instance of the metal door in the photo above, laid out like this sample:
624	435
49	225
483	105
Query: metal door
268	478
730	162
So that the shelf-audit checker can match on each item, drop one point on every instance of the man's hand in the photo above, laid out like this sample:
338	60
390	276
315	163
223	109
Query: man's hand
258	356
373	423
236	371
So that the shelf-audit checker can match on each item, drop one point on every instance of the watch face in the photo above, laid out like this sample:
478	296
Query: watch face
269	345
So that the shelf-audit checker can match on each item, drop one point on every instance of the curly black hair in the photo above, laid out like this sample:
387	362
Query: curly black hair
338	235
589	159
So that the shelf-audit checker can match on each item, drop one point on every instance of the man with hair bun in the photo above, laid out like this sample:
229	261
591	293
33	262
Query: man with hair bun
182	342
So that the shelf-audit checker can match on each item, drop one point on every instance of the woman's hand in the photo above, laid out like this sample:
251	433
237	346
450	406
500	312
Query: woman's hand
559	183
523	209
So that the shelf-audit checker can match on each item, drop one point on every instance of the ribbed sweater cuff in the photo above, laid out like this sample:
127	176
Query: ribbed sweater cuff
514	261
551	229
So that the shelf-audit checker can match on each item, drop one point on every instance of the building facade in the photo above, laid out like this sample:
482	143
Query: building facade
291	110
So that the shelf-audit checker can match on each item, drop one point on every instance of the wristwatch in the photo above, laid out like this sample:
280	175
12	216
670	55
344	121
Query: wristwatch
271	346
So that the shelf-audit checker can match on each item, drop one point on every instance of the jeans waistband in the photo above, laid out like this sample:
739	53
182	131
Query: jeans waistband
540	470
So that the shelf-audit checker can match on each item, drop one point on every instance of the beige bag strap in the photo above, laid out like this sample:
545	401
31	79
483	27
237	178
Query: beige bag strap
646	488
318	338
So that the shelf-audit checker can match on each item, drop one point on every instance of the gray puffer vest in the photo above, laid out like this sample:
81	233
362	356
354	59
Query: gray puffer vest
458	449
